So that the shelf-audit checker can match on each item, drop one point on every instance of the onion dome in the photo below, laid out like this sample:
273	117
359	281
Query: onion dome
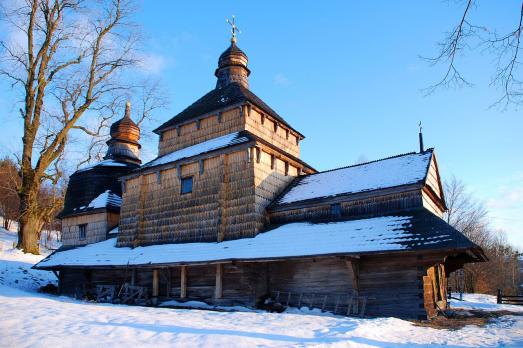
124	143
232	67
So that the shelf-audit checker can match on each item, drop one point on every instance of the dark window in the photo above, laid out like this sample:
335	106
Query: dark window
82	231
336	210
187	185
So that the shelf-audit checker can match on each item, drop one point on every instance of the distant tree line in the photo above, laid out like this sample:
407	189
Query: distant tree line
468	215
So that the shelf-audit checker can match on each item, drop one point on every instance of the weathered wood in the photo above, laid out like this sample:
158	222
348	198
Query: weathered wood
156	286
183	282
218	291
354	266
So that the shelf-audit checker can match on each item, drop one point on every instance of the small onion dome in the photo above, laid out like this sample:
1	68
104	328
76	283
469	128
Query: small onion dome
125	129
232	67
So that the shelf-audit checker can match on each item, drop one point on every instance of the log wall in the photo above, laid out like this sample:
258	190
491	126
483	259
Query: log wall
224	122
268	129
395	285
220	206
270	178
97	226
372	206
212	126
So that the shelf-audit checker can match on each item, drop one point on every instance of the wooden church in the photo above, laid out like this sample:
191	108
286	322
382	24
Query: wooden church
229	214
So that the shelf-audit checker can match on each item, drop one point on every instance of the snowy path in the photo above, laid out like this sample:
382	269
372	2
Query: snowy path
34	320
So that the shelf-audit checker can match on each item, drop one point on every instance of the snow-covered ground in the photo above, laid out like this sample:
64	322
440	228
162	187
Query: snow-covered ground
15	266
31	319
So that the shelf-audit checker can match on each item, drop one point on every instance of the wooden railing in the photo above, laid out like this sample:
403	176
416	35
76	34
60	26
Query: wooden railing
505	299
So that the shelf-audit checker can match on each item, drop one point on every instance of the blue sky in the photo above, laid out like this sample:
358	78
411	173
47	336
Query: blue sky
348	75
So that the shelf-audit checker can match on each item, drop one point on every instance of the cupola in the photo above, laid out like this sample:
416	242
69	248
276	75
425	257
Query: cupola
232	64
124	143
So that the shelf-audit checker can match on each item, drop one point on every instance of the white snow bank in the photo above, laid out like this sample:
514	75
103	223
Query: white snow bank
297	239
482	302
15	266
35	320
396	171
206	146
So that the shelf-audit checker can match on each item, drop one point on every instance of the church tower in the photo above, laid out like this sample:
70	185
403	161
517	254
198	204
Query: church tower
221	161
93	197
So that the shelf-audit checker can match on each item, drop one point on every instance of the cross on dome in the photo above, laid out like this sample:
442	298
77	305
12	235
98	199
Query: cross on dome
234	28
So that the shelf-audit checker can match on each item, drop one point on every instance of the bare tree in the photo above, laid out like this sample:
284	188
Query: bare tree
71	64
146	97
504	47
468	215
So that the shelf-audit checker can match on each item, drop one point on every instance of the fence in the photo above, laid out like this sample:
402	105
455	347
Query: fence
513	300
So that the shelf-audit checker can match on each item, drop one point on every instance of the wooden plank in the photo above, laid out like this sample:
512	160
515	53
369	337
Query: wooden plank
218	291
353	265
156	282
183	282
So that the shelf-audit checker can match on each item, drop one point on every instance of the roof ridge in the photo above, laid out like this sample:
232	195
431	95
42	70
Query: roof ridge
431	149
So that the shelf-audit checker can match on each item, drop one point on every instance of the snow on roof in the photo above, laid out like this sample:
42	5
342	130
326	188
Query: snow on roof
388	233
105	199
105	163
206	146
395	171
296	239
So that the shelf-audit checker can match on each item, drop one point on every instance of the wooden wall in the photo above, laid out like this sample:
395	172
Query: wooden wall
403	286
371	206
265	127
98	224
270	179
211	126
220	206
224	122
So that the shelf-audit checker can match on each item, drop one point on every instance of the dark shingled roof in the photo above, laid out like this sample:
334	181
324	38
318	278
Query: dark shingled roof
216	99
87	184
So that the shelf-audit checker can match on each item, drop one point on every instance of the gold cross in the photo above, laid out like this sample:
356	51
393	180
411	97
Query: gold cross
234	28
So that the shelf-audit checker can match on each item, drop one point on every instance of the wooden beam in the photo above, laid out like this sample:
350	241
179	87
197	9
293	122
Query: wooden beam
218	290
353	265
183	282
133	276
156	281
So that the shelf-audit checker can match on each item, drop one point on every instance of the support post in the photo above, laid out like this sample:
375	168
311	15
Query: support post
183	282
218	289
156	281
354	266
133	276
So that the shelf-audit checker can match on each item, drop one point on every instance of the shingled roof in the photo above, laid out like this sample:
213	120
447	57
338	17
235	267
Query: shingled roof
394	171
217	99
409	231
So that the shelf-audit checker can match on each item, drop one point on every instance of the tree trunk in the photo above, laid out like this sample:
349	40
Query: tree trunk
30	230
30	222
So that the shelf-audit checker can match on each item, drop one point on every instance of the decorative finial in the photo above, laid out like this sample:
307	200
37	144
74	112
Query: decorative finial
420	135
234	29
128	109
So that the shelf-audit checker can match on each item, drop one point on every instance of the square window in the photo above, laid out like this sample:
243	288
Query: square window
82	229
336	210
186	185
